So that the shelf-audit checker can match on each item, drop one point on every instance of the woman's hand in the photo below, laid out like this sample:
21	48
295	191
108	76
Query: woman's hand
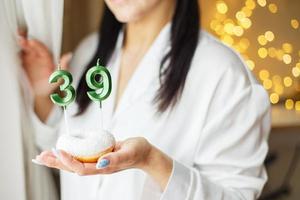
131	153
38	64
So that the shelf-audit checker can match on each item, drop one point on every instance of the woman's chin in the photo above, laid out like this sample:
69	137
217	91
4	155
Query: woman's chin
127	18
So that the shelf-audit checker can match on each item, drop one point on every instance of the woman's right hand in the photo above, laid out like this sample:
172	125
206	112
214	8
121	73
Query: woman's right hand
38	64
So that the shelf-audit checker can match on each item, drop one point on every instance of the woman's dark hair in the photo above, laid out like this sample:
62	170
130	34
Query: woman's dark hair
184	38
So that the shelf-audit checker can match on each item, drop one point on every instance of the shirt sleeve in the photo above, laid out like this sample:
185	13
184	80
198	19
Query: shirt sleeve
46	133
228	163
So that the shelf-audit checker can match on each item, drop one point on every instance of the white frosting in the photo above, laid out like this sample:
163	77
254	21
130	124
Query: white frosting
85	143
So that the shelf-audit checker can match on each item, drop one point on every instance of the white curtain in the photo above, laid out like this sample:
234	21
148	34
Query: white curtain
19	178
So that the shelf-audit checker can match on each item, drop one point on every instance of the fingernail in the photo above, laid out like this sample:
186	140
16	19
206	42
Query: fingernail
102	163
36	162
55	153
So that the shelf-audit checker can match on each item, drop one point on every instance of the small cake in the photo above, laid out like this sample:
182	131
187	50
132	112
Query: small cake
87	146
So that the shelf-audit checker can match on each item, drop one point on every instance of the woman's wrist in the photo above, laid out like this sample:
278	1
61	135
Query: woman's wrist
158	165
42	106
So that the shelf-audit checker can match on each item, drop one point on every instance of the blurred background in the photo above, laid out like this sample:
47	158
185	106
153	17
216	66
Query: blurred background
267	34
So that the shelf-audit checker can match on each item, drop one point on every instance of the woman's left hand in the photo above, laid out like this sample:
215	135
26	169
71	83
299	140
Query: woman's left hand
131	153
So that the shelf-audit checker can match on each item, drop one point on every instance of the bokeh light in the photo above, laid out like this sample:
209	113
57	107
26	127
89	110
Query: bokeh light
235	25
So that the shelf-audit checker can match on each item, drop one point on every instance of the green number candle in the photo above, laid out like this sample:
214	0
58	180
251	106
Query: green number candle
66	88
103	85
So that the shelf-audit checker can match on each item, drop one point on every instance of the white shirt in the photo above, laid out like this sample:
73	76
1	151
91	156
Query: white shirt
216	134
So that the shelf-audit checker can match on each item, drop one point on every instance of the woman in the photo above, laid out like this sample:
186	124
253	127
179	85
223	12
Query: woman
191	119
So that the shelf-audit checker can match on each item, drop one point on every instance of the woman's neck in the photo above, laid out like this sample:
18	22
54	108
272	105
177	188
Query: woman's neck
141	34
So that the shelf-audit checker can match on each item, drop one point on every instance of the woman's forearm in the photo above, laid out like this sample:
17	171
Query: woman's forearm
159	166
42	107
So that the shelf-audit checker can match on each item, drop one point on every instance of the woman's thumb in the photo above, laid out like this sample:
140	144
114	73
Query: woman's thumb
113	159
65	60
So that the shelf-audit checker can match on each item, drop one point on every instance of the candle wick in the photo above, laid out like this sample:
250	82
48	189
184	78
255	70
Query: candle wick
66	120
59	66
98	61
101	115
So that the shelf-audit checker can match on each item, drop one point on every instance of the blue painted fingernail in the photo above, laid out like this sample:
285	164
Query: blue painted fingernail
55	152
102	163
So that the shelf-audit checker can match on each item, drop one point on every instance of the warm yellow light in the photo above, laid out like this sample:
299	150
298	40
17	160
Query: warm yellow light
244	43
240	15
220	17
287	48
297	105
273	8
274	98
276	79
272	52
264	74
229	28
279	89
288	81
228	20
262	52
296	71
250	4
295	23
269	35
287	59
213	24
289	104
219	29
222	7
246	23
238	31
267	84
280	54
227	39
247	11
262	40
250	64
262	3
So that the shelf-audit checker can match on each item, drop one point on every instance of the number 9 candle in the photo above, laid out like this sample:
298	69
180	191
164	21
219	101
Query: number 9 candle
104	83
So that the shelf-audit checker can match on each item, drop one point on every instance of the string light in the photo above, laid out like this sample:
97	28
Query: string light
233	32
287	59
262	52
273	8
262	3
287	48
295	23
262	40
289	104
222	7
288	81
274	98
297	105
269	35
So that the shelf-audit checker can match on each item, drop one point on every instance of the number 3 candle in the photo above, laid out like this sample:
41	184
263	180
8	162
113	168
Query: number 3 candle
66	88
